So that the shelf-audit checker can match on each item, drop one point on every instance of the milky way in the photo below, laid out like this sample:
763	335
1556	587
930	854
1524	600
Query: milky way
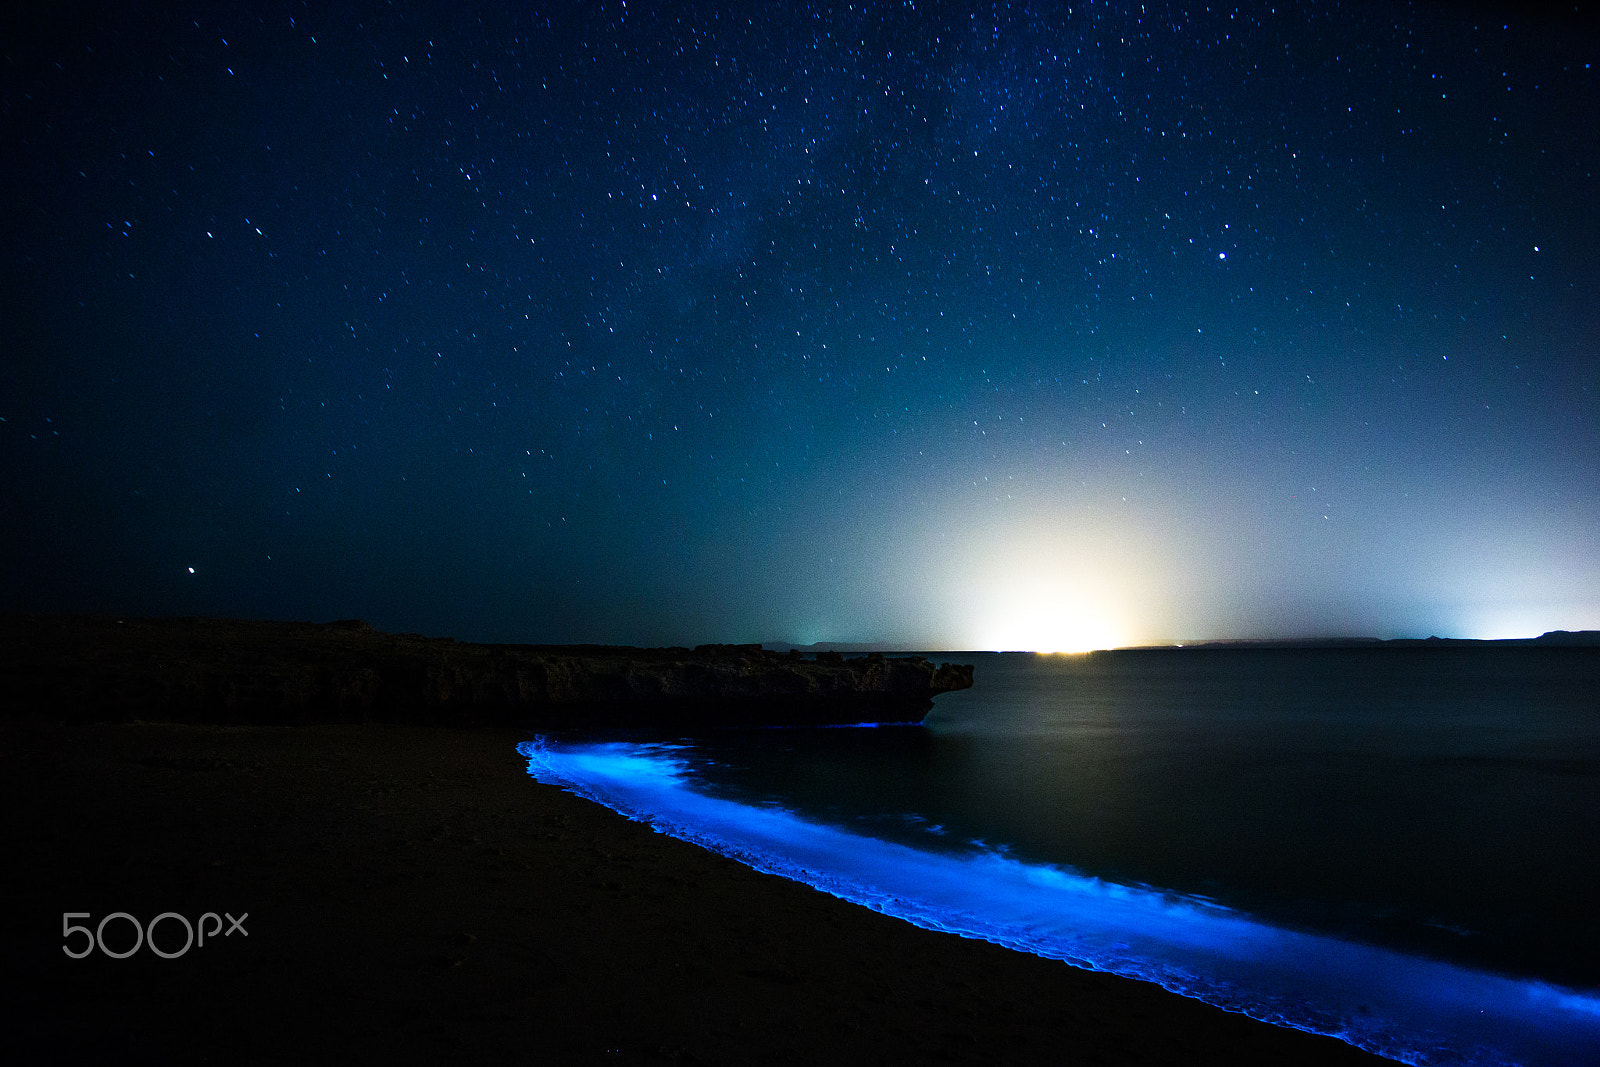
982	326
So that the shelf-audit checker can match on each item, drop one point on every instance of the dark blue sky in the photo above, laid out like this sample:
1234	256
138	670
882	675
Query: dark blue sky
996	325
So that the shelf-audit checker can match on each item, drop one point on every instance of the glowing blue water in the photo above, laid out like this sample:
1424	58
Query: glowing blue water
1398	848
1412	1009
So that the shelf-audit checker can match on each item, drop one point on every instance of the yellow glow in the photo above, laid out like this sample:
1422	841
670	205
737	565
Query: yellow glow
1039	602
1067	629
1042	581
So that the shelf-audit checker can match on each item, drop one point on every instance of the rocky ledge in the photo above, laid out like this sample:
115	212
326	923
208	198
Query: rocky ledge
83	669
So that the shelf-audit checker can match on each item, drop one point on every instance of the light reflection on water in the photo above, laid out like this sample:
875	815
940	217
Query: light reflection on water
1405	1007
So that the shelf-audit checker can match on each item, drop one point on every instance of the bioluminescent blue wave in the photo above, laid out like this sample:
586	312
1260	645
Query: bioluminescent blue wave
1404	1007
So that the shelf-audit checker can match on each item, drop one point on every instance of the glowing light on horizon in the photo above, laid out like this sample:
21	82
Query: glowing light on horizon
1493	622
1048	597
1051	629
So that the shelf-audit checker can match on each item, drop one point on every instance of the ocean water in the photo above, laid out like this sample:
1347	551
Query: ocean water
1397	846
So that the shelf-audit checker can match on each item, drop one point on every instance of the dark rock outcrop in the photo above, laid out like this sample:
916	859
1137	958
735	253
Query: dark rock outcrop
229	671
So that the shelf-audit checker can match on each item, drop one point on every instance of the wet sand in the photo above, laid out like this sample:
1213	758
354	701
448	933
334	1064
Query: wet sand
413	895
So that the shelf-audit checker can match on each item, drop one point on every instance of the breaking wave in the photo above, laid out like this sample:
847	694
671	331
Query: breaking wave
1404	1007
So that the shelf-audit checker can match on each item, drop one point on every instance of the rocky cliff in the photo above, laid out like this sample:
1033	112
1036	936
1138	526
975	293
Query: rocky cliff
230	671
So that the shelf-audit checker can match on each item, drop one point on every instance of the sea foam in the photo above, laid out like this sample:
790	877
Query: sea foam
1404	1007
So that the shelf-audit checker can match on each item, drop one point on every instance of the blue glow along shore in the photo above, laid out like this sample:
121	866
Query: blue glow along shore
1407	1008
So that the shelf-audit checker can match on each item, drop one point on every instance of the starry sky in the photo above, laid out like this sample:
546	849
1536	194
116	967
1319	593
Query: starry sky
1005	325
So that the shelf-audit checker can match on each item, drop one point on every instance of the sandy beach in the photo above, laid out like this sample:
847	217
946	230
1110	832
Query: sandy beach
413	895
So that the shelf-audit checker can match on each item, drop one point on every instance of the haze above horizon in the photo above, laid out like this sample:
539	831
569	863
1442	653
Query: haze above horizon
987	326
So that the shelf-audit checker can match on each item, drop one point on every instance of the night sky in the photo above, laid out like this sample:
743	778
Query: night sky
990	326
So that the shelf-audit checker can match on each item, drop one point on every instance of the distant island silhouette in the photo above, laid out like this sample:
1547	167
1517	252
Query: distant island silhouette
1555	638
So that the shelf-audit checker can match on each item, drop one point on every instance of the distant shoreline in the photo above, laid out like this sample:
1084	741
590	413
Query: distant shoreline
1549	639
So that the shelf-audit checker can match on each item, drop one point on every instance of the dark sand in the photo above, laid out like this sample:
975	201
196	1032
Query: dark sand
413	895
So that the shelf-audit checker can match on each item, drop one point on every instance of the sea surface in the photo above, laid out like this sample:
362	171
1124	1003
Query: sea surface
1399	846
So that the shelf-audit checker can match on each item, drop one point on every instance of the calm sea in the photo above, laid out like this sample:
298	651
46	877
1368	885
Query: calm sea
1400	846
